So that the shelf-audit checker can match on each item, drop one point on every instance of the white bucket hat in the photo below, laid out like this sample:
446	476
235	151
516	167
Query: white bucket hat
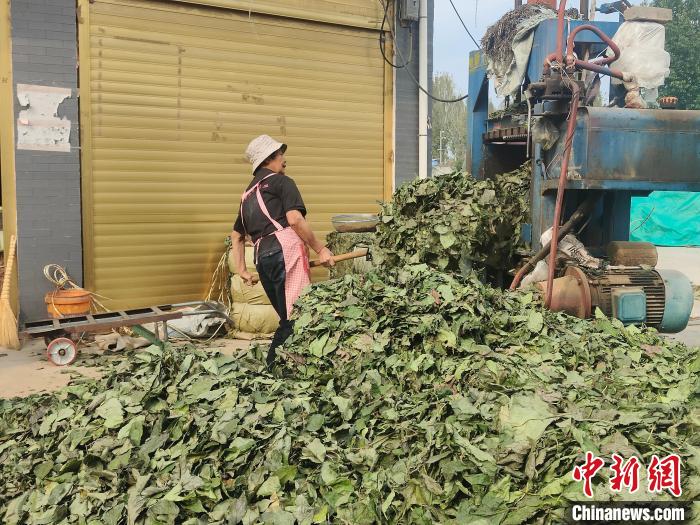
262	147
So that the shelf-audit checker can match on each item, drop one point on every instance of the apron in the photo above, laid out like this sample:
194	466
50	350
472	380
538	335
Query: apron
296	260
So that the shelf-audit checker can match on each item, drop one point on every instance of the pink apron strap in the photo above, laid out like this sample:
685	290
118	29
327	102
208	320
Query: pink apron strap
277	225
264	209
247	193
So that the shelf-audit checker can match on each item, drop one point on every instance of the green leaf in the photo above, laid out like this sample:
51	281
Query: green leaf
317	346
133	430
462	406
343	405
315	422
136	500
278	517
270	486
448	240
315	451
328	474
59	492
535	321
525	418
112	412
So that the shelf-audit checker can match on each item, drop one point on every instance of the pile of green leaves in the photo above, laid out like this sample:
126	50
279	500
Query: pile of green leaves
487	399
403	397
455	223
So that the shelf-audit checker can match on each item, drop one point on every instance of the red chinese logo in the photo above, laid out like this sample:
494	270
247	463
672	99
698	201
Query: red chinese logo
625	475
665	474
586	472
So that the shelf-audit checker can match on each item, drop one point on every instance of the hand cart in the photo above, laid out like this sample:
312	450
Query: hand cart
61	350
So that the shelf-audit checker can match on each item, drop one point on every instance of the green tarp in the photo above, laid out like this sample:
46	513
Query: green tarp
666	218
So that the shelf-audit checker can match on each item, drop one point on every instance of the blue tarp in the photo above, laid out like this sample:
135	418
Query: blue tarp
666	218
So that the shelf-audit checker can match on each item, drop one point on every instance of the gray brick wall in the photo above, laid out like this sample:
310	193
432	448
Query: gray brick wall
44	52
406	121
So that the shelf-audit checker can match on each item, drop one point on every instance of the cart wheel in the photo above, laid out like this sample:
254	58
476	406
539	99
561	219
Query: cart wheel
62	351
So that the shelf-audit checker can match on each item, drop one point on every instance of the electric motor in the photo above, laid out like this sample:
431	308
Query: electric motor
662	299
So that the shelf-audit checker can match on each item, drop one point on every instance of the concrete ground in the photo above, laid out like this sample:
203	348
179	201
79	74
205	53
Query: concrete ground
27	371
687	261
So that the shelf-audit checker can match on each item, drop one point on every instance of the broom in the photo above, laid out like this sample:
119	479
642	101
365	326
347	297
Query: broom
8	322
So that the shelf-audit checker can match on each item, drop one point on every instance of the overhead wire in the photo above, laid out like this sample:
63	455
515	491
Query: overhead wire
385	7
465	26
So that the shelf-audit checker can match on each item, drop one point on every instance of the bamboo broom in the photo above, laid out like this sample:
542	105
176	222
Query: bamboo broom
8	321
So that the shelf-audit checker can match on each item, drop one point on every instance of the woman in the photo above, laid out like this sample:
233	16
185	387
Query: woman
272	213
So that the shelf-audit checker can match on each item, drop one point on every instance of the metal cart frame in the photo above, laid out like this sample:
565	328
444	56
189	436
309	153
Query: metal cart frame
62	350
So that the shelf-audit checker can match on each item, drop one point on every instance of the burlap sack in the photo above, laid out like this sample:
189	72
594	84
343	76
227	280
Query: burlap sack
254	318
242	293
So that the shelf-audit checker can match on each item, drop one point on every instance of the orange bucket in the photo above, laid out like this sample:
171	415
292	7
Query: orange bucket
67	303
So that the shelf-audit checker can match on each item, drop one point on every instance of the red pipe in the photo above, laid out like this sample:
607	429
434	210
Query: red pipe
519	276
560	31
571	128
587	27
571	61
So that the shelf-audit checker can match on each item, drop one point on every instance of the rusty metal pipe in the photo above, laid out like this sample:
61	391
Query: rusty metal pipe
581	212
587	27
597	68
561	187
592	65
560	31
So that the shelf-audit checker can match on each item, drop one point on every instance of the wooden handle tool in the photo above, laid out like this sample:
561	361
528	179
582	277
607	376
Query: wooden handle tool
343	257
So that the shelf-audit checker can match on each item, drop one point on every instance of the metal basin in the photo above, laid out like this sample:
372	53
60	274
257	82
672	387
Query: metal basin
355	222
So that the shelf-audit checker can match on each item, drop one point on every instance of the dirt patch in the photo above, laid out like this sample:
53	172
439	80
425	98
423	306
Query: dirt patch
27	371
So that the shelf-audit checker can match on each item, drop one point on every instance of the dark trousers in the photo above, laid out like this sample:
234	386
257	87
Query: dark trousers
272	276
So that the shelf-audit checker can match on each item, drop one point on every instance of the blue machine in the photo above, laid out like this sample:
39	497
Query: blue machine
616	153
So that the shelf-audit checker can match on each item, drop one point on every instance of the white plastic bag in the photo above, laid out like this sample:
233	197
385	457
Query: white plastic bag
571	249
538	274
642	54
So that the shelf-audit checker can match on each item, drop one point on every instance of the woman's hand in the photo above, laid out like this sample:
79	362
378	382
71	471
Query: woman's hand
325	257
248	278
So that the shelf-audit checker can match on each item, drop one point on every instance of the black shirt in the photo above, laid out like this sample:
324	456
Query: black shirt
280	194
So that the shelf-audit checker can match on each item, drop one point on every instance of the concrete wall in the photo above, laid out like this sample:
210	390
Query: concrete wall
44	56
406	119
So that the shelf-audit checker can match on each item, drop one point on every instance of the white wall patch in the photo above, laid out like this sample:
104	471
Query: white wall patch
38	125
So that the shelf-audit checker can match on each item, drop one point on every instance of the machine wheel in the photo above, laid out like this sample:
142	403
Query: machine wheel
62	351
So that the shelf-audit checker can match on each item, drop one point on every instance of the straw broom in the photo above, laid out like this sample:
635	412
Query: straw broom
8	322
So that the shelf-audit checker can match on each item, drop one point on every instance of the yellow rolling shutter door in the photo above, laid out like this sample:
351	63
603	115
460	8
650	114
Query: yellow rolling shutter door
176	92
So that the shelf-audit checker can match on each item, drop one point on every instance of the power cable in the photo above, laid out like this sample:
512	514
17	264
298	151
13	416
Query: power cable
465	26
408	70
382	38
